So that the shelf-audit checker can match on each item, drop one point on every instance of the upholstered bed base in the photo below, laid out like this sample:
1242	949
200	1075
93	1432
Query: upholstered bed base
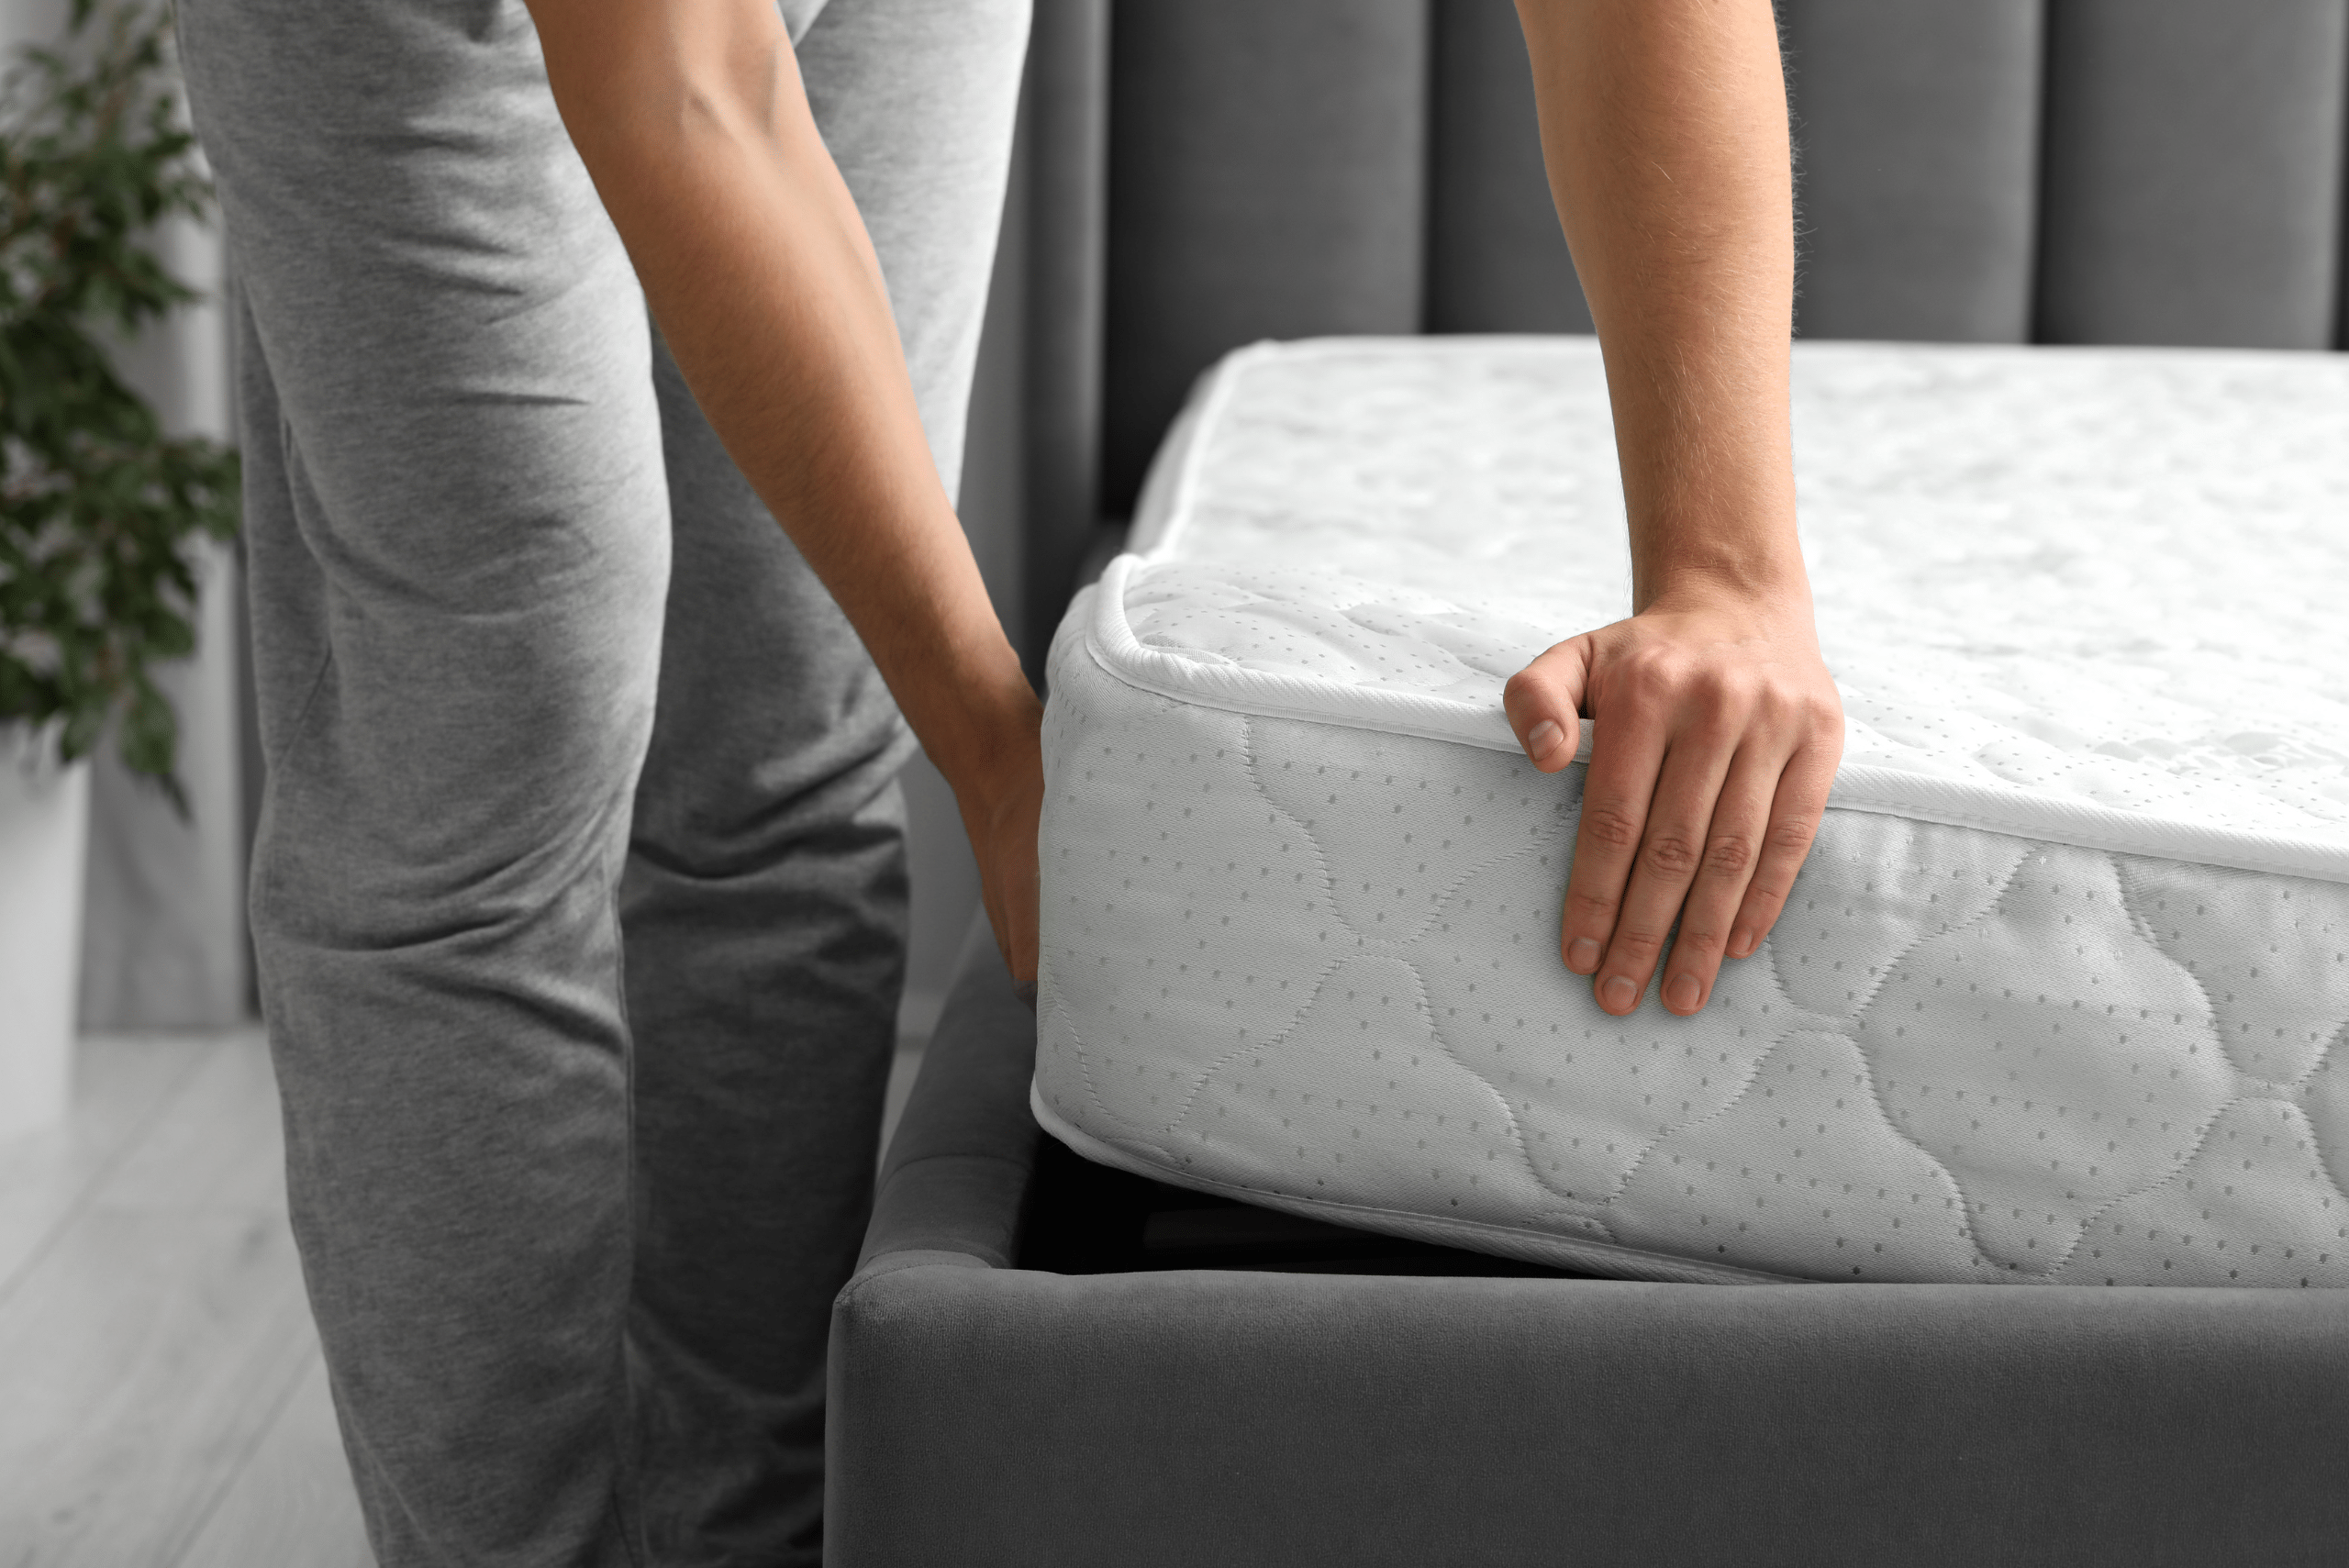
987	1413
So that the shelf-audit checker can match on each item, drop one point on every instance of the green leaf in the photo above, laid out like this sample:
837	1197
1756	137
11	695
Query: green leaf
100	514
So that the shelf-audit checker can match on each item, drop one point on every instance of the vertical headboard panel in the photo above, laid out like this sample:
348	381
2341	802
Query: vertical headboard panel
1916	130
2069	171
1496	260
1267	178
2193	171
1058	242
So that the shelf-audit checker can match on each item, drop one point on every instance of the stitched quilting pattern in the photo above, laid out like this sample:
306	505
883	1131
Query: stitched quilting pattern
1316	962
1962	1055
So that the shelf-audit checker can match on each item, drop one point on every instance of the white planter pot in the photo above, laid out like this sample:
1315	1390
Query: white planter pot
44	840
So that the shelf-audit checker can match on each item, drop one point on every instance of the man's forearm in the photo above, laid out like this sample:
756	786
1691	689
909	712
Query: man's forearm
1717	725
758	269
1663	127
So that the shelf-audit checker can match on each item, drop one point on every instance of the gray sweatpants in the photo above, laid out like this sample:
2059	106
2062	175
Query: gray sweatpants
579	892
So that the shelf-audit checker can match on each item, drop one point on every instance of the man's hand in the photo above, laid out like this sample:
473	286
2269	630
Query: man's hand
1717	734
1664	127
1000	816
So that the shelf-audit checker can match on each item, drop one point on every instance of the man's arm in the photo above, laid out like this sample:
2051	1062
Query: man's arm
692	120
1717	728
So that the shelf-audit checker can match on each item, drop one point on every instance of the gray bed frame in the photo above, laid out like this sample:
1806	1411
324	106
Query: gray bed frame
984	1413
1197	173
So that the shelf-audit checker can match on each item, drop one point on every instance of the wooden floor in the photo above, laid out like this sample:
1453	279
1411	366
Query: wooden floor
162	1400
164	1403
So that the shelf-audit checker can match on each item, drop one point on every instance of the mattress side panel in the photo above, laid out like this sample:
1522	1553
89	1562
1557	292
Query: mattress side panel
1320	962
1316	962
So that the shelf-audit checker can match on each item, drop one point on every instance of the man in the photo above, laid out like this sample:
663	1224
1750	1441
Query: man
537	669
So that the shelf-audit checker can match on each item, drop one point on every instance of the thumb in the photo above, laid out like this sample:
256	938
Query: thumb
1543	701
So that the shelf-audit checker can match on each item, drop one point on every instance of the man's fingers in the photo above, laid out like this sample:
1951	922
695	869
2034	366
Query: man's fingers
1715	741
1620	784
1796	808
1543	701
1732	849
1003	838
1671	852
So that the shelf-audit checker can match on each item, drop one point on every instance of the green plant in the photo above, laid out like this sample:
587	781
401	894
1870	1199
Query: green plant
99	510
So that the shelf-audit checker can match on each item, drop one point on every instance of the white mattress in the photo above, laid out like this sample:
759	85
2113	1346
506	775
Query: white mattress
2061	994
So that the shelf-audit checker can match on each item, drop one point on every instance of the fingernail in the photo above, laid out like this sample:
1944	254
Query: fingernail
1680	994
1741	942
1617	994
1543	738
1582	955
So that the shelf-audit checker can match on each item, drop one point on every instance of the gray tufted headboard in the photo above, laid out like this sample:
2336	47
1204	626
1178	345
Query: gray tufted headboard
1200	174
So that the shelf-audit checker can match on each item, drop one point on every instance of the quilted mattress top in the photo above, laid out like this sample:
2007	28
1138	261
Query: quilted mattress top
2166	673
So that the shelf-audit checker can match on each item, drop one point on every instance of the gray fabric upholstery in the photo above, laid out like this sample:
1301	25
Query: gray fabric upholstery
954	1175
1266	174
1065	148
985	1414
1497	258
1917	129
2193	173
987	1417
